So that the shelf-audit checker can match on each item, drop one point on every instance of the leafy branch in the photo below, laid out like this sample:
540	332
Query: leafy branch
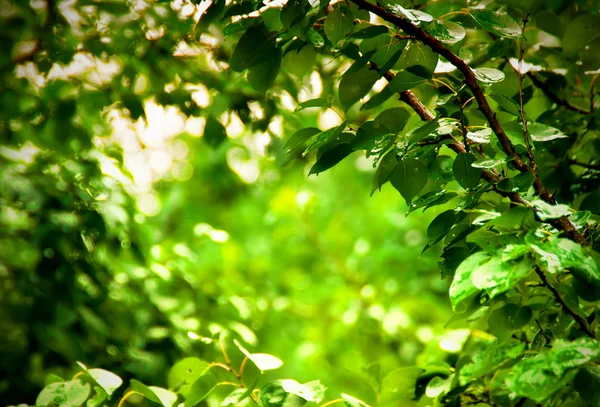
561	223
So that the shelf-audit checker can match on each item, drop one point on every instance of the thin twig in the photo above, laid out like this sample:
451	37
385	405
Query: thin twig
543	332
553	97
578	318
532	165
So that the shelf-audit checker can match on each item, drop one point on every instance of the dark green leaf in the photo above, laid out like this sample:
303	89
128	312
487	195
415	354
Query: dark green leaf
262	76
519	183
356	85
446	31
506	103
338	24
409	177
370	32
498	22
331	157
254	47
299	138
464	172
214	132
318	102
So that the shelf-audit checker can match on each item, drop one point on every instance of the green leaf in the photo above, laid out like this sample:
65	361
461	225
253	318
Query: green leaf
490	360
488	75
398	387
541	132
108	381
214	132
424	130
420	60
331	157
315	38
184	373
464	172
299	138
378	98
497	22
350	401
368	134
263	361
198	391
293	12
356	85
519	183
370	32
325	137
262	76
539	377
497	276
546	211
509	318
318	102
490	163
431	199
393	119
415	16
480	136
557	254
273	395
156	394
312	391
441	225
338	24
388	52
235	397
506	103
446	31
581	31
462	286
405	80
587	384
386	165
254	47
66	394
409	177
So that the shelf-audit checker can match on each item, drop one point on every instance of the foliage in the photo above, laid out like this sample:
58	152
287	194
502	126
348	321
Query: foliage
132	245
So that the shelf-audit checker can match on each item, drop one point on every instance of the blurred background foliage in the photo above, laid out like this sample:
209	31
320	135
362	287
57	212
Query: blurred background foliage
126	236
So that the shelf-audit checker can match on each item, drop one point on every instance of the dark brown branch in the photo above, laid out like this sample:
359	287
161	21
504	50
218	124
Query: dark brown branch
563	224
553	97
578	318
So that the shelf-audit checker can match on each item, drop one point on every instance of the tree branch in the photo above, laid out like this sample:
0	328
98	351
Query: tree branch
553	97
562	223
578	318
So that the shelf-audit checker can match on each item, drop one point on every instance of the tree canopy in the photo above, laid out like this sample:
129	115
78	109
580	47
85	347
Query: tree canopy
186	220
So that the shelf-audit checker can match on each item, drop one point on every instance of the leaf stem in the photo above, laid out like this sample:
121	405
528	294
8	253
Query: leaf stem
122	401
334	401
452	13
